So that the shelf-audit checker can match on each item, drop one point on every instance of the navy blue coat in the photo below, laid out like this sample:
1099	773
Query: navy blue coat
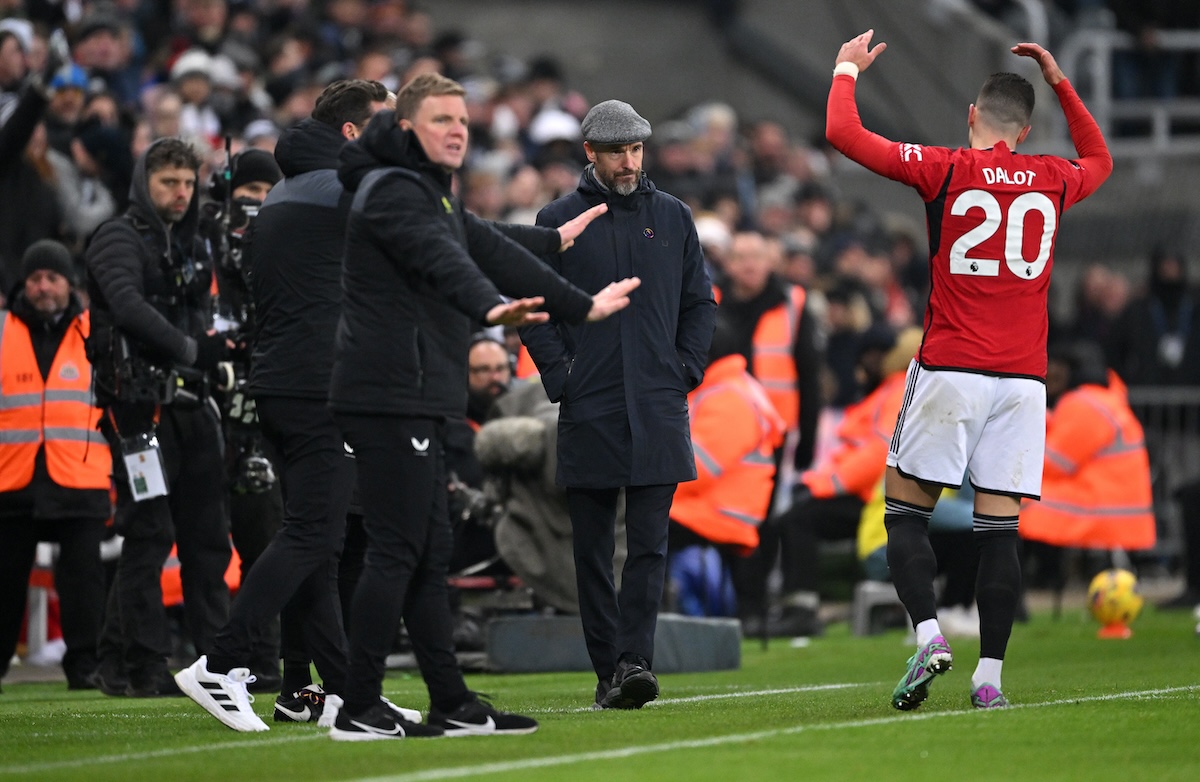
623	382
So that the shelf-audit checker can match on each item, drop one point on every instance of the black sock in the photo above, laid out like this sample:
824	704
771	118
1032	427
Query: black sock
998	583
296	676
910	558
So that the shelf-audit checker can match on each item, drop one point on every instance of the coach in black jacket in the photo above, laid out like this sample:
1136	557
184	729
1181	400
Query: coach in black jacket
418	274
623	384
295	263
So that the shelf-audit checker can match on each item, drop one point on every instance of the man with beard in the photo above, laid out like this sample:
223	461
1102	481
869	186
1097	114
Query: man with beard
56	466
623	385
148	278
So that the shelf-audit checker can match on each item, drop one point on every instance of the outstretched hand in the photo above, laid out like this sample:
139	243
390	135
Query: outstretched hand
1050	70
614	297
858	51
519	312
571	229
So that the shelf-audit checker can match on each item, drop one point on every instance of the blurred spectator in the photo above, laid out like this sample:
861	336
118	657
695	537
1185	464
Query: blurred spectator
847	317
12	71
68	91
1148	70
1156	340
715	240
524	196
85	199
30	207
104	49
1100	296
191	79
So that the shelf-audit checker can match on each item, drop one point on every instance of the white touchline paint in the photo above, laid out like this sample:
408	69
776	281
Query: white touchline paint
608	754
739	738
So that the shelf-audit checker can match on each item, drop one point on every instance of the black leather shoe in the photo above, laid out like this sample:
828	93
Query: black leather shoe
110	681
633	686
159	684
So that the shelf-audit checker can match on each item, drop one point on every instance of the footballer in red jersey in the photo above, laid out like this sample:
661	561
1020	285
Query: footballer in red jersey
975	399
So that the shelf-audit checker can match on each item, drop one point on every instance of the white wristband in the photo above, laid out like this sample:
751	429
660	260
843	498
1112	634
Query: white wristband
846	69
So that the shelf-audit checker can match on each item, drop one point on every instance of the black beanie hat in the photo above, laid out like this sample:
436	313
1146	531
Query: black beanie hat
47	254
254	165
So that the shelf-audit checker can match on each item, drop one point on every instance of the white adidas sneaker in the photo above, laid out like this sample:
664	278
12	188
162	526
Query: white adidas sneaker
222	695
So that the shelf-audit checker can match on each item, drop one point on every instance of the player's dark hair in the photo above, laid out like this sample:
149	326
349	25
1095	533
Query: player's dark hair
1005	101
171	153
348	100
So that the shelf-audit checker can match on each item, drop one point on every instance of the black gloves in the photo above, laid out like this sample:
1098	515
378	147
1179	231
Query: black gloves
210	351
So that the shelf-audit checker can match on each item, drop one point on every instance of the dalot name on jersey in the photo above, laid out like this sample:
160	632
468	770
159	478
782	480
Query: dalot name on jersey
1000	176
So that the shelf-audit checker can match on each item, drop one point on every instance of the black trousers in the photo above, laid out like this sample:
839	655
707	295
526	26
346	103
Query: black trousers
616	624
79	580
193	515
402	490
298	569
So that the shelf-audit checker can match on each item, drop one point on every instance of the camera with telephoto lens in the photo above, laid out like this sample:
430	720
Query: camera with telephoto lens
470	505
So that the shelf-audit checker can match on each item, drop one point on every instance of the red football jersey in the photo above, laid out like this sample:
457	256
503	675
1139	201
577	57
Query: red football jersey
993	216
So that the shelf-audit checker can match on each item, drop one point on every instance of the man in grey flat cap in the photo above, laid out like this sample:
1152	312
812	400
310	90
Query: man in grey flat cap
622	384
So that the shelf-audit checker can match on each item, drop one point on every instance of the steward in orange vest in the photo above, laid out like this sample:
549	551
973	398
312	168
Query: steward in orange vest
735	431
776	335
54	465
1096	479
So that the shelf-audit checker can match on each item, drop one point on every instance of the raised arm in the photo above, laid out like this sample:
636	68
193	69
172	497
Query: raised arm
843	126
1094	158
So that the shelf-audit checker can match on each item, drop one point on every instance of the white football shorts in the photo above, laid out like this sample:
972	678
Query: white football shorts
991	428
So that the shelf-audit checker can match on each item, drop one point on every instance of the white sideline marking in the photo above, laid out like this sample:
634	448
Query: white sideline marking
722	695
738	738
561	760
32	768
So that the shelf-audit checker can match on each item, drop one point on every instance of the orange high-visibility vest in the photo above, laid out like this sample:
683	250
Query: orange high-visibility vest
58	412
859	461
171	580
1096	476
735	431
774	363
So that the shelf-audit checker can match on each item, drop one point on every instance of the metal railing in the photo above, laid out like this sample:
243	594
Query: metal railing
1086	56
1170	416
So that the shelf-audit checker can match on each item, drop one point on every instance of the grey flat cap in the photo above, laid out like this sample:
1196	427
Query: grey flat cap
614	122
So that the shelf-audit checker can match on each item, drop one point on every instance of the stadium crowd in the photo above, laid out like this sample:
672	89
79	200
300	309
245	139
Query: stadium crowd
802	272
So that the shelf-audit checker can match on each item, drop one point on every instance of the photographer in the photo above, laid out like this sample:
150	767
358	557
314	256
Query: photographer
236	192
148	277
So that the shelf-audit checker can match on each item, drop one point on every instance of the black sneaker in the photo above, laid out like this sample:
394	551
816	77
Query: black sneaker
110	680
477	717
633	686
265	680
305	705
156	684
602	689
378	722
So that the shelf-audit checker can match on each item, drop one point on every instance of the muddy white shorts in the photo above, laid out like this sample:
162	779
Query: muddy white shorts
992	428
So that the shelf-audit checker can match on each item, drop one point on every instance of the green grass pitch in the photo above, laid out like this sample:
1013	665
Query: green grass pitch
1083	709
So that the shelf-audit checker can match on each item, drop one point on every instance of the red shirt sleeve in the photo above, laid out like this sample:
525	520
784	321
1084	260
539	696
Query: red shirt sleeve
921	167
1094	160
